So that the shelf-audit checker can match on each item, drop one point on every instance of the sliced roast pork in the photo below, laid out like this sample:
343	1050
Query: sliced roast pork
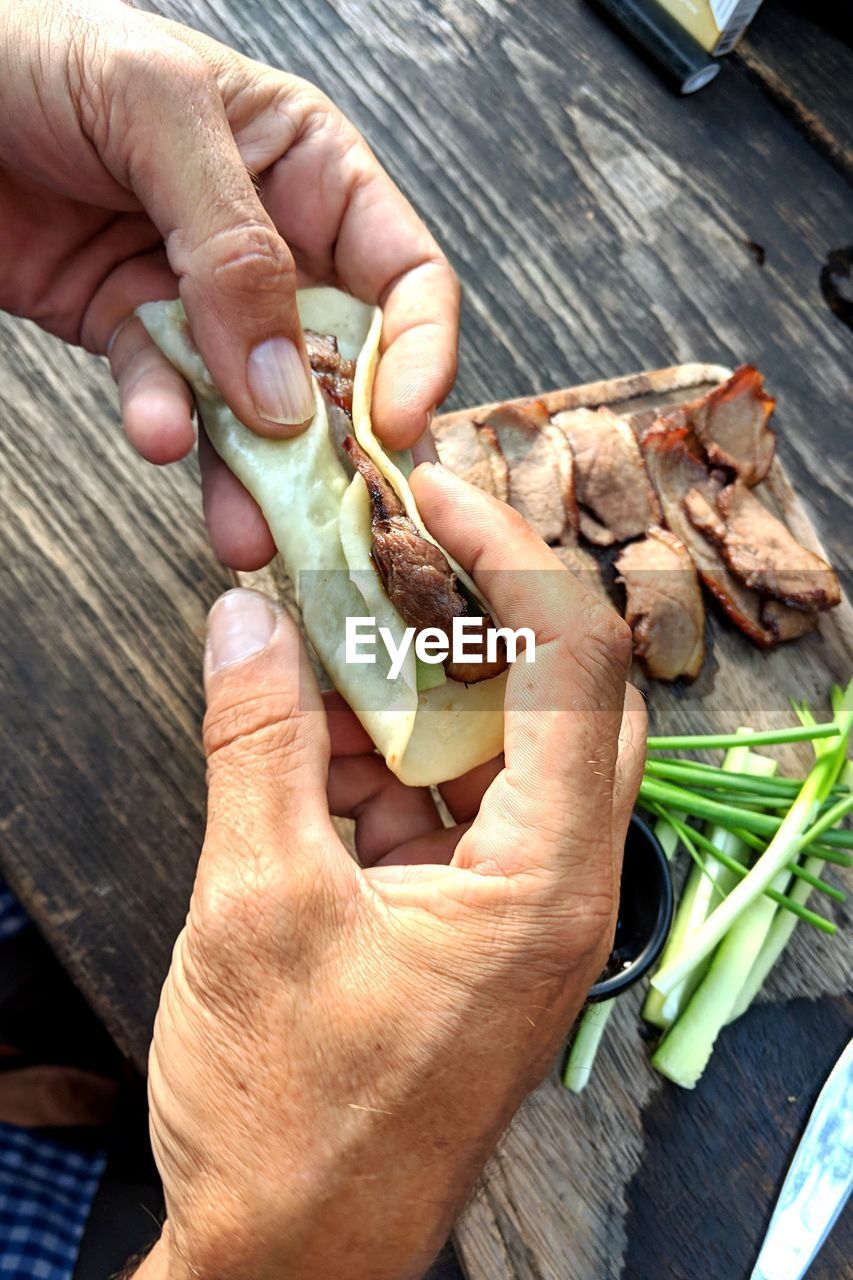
785	623
761	552
676	472
415	573
583	567
539	464
333	371
730	423
664	605
613	491
473	455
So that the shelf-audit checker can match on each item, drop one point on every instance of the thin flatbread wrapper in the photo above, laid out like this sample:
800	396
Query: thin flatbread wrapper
320	521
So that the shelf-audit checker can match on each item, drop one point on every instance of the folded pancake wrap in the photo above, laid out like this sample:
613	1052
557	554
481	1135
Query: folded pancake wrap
321	522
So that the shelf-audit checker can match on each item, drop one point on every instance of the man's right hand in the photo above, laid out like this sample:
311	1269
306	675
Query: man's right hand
338	1047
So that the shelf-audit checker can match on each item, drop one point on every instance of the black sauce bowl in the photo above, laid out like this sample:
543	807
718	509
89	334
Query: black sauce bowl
645	912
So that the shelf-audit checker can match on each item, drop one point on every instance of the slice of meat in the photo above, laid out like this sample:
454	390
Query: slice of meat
335	376
594	532
468	453
340	426
730	423
583	567
333	371
675	470
540	466
415	573
761	552
785	623
610	478
566	474
702	512
664	605
497	462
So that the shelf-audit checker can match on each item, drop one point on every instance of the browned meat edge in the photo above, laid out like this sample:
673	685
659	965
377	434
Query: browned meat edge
333	371
675	470
730	424
664	605
415	573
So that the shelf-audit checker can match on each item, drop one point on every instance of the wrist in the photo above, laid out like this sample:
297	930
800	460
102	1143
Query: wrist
154	1266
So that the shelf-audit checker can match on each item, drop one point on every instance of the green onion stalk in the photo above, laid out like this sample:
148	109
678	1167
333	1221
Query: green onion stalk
733	920
791	836
684	1051
781	929
705	886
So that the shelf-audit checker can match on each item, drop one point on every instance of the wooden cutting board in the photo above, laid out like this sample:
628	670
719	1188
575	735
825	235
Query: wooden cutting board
636	1179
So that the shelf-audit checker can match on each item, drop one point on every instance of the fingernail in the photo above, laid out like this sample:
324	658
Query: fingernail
424	450
240	624
280	386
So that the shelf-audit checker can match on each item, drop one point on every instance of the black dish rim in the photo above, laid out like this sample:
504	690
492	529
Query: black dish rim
640	965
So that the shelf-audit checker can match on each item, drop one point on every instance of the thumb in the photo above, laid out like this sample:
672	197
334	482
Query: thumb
236	275
267	745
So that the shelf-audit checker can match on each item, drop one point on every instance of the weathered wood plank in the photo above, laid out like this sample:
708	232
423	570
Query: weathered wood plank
598	223
571	1191
105	576
801	55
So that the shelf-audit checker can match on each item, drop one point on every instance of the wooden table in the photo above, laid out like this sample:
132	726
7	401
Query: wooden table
599	225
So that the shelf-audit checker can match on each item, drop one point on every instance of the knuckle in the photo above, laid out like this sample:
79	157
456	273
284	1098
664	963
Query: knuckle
607	646
267	725
613	635
165	65
254	914
250	259
229	940
122	77
229	908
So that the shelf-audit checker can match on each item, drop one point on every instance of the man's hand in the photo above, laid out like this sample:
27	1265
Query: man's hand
338	1046
139	160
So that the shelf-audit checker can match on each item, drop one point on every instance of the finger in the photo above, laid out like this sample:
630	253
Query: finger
386	812
139	277
435	849
419	340
239	534
521	577
424	450
382	253
267	747
156	404
236	274
348	737
630	762
463	796
562	713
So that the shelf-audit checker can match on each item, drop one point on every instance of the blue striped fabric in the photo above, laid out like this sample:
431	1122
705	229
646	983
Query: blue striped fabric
46	1189
13	917
46	1193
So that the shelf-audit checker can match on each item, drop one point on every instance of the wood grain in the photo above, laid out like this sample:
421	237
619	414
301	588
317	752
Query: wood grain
570	1194
800	54
599	225
105	580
